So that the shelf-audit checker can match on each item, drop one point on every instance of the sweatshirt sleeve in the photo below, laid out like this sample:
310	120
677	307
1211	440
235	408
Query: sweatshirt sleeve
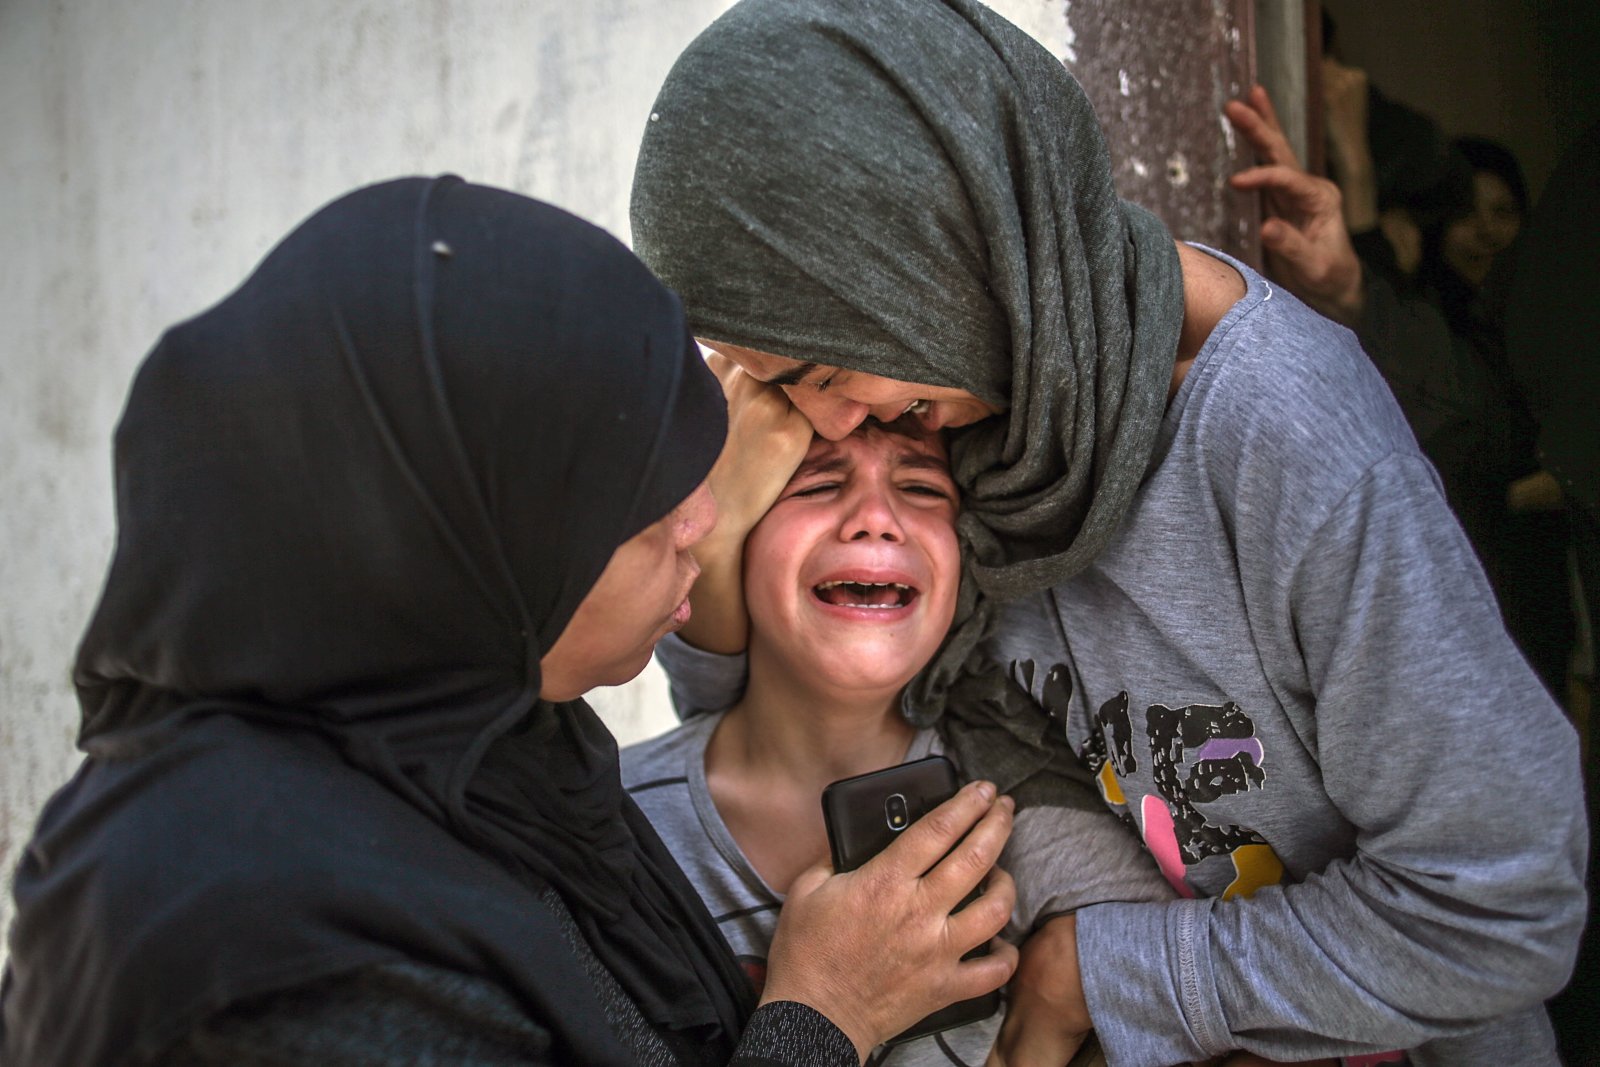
699	681
1065	859
1463	898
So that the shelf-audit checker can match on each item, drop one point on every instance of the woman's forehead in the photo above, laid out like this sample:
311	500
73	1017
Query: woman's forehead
765	365
781	370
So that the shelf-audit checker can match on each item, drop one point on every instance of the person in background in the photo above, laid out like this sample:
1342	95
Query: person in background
384	515
1203	557
1512	509
1459	249
1419	313
1552	323
1549	283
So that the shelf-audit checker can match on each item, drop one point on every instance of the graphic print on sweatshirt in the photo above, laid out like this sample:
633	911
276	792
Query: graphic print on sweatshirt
1201	753
1192	756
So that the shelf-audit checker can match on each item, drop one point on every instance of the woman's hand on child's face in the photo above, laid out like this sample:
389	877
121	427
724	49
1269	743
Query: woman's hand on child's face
876	949
1047	1017
767	439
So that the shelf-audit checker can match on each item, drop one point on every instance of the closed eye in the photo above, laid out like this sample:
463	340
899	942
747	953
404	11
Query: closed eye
815	489
918	489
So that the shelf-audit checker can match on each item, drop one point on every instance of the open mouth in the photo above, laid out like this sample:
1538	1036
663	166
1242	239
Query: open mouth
882	596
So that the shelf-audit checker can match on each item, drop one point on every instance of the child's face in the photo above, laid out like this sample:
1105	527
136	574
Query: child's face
851	577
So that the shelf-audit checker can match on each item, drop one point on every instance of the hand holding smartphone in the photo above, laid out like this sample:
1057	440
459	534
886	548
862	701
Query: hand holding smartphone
864	815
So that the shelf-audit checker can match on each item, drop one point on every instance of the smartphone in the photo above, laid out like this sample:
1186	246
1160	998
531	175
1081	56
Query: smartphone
864	815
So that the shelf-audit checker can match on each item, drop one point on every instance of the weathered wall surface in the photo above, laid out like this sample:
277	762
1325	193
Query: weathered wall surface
1158	73
152	150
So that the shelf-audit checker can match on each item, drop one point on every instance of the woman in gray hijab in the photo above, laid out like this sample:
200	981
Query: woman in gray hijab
1207	572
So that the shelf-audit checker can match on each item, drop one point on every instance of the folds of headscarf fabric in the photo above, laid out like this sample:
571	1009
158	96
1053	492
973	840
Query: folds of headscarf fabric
356	501
916	189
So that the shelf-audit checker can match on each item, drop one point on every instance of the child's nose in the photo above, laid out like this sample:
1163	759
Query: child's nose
873	518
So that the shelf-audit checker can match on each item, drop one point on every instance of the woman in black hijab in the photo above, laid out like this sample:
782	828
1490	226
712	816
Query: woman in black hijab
385	513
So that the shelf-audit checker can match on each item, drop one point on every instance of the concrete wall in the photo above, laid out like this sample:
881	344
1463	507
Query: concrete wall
151	151
1158	73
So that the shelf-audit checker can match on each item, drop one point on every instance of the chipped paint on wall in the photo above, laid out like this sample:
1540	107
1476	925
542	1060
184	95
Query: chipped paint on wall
1158	73
1177	170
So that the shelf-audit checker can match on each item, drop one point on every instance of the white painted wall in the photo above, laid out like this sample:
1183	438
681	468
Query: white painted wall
151	151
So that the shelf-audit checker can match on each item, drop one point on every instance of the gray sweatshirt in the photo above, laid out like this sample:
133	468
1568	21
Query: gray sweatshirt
1060	859
1289	674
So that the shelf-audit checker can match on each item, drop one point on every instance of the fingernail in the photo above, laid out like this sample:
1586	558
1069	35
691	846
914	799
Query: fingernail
1010	805
986	790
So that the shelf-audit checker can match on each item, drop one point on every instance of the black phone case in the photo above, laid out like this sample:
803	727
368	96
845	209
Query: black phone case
858	813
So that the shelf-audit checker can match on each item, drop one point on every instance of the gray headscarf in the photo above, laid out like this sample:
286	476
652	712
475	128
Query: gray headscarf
917	189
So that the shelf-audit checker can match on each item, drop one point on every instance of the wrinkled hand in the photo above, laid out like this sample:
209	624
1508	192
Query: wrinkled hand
876	949
1257	122
1308	247
1047	1017
767	439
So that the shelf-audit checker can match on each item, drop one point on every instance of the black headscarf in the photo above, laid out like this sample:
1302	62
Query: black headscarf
357	501
917	189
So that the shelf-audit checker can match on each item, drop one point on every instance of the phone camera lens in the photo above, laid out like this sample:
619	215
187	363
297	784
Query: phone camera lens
894	811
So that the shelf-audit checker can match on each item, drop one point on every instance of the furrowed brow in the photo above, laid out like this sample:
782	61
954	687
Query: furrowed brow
824	465
920	461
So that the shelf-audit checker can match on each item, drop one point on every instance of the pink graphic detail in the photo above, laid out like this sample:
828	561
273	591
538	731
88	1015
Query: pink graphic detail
1162	840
